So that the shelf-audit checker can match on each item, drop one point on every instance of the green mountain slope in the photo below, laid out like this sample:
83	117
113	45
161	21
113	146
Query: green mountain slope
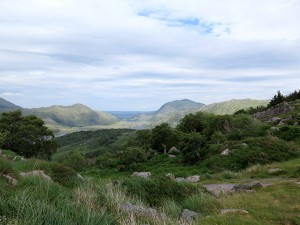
172	112
230	107
7	106
77	115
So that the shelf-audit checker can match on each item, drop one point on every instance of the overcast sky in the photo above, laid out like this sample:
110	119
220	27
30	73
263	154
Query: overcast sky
137	55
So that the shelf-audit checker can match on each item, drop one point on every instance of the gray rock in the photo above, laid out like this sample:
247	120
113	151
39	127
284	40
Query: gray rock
219	189
39	173
10	180
142	174
193	179
173	150
233	211
139	210
18	158
172	156
274	170
225	152
274	111
170	175
180	179
188	215
296	124
247	186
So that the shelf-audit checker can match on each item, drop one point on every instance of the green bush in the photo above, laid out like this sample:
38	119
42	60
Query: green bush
64	175
6	167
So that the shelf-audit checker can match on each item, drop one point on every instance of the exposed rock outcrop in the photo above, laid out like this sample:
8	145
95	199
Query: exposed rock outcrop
274	111
248	186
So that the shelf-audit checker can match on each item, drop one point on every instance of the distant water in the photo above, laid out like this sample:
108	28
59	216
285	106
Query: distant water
127	115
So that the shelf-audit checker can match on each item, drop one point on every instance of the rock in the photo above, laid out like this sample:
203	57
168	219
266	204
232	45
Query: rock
142	174
225	152
11	180
274	170
139	210
188	215
230	211
193	179
247	186
39	173
170	175
244	145
281	123
282	108
79	176
219	189
296	124
172	156
173	150
180	179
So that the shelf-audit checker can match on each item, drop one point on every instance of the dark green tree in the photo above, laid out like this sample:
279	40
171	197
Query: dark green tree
278	98
193	122
163	138
27	136
192	147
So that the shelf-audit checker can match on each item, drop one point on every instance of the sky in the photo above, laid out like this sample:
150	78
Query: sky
139	54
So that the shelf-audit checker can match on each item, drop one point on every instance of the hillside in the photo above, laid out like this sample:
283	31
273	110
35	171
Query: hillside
7	106
172	112
77	115
230	107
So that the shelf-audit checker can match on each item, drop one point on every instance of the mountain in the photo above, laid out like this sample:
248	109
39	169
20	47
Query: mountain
77	115
230	107
7	106
172	112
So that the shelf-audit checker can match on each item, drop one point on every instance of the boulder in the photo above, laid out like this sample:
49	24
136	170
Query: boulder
180	179
139	210
170	175
142	174
225	152
173	150
247	186
10	180
172	156
39	173
231	211
188	215
193	179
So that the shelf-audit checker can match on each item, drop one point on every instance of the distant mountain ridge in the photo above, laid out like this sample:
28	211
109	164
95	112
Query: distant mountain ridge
7	106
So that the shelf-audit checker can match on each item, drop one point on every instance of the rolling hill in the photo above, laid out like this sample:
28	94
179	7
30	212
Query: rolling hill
230	107
77	115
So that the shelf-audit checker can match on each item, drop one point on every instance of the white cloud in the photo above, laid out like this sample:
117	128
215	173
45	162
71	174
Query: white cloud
129	54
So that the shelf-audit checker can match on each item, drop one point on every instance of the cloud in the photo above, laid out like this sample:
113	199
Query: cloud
130	55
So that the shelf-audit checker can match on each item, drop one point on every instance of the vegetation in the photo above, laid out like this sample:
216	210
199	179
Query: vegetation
222	149
27	136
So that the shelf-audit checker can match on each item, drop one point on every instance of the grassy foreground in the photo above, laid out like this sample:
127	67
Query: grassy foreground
68	200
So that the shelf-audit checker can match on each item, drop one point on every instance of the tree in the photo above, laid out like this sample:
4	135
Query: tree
218	137
27	136
278	98
163	138
193	122
192	147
